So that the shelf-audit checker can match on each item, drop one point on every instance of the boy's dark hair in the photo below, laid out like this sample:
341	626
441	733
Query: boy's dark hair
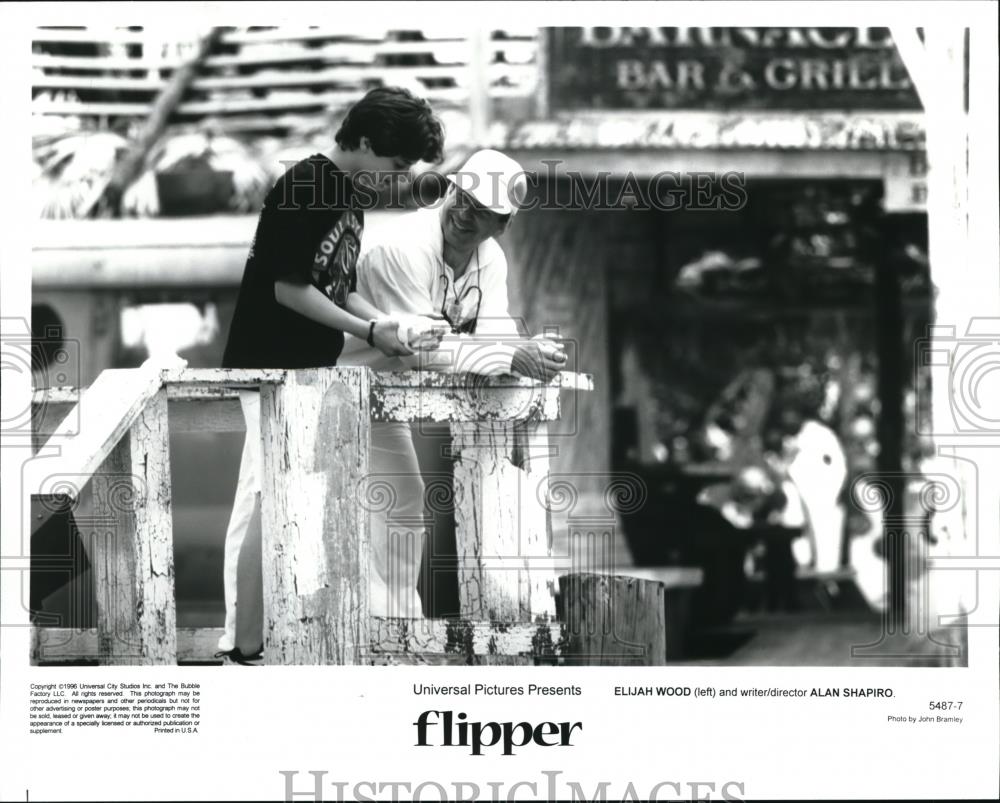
396	124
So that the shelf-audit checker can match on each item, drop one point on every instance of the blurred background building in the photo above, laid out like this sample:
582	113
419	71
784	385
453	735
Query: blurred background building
705	326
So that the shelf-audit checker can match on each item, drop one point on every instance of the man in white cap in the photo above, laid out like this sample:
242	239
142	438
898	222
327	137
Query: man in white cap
432	268
443	262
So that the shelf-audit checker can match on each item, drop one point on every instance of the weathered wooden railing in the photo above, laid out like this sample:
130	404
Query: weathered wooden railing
109	455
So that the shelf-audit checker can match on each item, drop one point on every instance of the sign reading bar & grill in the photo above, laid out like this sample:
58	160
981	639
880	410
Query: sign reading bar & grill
726	68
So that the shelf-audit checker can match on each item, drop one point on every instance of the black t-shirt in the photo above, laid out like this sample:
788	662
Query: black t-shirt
308	233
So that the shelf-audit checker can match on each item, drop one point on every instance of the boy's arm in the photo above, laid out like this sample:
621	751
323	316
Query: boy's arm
363	309
308	301
285	247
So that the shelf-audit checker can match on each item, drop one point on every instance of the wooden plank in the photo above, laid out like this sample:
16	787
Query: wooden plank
204	399
436	659
73	108
291	34
394	641
457	49
295	100
86	438
511	30
199	403
614	621
198	644
239	125
515	52
248	57
97	82
145	265
273	79
432	396
301	100
789	640
190	410
191	378
467	399
63	399
519	48
670	576
61	645
197	387
98	36
101	63
164	234
315	442
414	380
463	641
133	553
353	73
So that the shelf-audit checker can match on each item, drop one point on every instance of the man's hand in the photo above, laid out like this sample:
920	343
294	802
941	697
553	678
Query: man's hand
539	358
385	340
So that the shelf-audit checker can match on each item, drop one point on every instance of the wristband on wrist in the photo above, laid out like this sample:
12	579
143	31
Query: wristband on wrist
371	333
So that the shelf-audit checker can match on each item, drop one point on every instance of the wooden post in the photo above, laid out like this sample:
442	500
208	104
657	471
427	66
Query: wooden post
480	56
134	562
503	529
891	426
501	450
542	65
614	621
960	144
486	521
539	584
315	428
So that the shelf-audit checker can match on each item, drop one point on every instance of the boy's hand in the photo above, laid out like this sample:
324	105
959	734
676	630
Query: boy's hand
422	332
385	340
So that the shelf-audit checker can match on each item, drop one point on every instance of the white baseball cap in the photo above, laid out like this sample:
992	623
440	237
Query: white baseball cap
495	180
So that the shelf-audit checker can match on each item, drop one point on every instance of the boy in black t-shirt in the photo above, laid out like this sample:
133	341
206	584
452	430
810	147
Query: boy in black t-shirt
298	298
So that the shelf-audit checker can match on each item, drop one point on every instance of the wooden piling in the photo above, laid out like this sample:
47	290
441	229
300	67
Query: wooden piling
613	620
315	539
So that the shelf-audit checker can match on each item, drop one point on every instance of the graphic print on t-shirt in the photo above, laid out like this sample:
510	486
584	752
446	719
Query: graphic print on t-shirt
336	258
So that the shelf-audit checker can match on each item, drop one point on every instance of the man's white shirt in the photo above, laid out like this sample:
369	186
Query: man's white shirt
402	273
